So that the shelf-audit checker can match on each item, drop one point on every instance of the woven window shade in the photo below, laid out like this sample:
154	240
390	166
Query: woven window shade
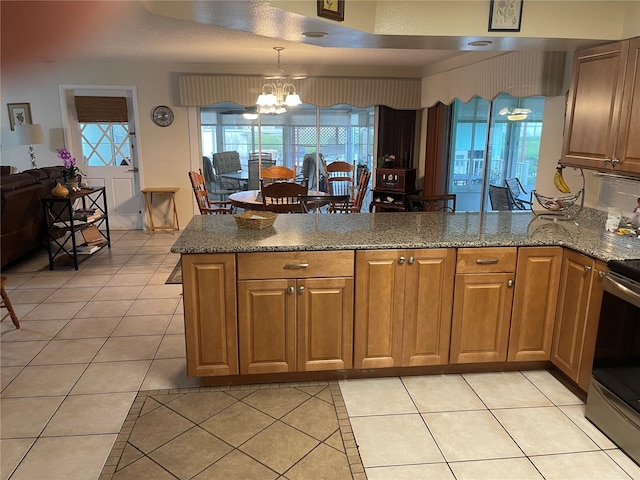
102	109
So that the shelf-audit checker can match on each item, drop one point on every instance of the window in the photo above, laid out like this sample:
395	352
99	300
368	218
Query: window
510	150
105	144
104	130
346	133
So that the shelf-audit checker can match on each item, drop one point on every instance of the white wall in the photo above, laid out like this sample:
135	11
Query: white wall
164	152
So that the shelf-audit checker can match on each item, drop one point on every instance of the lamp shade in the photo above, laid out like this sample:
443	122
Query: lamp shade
29	134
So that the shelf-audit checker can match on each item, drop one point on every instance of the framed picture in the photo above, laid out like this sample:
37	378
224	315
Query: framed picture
19	114
505	15
331	9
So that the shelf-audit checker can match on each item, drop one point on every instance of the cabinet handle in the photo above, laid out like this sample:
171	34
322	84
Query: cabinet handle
411	260
606	160
614	160
300	290
487	261
587	268
601	273
401	260
290	290
510	283
295	266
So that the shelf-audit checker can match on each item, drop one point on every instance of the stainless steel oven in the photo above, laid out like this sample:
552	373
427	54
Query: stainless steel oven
613	400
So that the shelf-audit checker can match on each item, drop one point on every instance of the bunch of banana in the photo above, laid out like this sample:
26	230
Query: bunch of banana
558	181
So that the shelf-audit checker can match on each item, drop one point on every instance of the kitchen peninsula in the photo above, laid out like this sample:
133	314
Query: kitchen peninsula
332	296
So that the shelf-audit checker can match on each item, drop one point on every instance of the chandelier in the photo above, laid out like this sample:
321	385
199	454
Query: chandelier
274	97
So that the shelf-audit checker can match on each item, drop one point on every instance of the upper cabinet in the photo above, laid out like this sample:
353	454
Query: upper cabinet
603	109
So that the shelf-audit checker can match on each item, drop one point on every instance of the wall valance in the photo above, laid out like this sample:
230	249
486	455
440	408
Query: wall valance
520	74
204	90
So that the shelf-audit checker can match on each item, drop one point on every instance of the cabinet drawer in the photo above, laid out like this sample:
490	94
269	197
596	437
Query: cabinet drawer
266	265
487	260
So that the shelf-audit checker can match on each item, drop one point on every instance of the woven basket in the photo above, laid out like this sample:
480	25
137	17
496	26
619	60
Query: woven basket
255	220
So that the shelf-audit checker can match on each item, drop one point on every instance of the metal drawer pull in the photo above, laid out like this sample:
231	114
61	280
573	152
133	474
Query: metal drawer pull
587	268
290	290
487	261
411	260
401	260
510	283
295	266
301	290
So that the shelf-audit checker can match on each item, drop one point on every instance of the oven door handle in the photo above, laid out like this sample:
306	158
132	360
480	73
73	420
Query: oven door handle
619	290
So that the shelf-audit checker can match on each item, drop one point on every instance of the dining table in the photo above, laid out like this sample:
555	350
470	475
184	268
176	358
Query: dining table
240	175
252	199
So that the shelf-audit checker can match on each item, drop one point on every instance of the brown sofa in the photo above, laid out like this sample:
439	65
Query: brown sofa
21	231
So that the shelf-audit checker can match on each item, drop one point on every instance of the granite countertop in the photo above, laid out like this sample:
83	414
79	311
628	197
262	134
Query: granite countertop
368	231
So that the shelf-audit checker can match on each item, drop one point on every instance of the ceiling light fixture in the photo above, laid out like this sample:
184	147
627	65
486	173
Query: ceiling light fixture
480	43
274	97
515	115
314	34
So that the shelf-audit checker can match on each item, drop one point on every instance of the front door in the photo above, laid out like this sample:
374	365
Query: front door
106	152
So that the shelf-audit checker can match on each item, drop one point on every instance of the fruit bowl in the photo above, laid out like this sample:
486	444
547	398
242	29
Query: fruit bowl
557	204
559	208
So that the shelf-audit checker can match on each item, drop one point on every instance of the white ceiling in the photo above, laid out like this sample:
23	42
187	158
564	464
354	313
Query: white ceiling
195	33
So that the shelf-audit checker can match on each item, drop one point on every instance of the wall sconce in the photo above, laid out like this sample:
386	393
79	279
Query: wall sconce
30	135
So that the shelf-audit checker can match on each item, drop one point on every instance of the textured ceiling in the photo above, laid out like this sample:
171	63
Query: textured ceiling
194	33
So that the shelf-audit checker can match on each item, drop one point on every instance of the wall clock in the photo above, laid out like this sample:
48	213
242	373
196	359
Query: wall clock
331	9
162	116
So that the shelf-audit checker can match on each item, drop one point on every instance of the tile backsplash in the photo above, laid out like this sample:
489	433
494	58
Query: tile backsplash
619	192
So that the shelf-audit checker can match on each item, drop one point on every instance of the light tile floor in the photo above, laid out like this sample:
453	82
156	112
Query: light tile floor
523	425
92	339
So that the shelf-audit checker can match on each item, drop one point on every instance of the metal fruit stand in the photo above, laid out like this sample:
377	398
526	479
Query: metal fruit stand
559	208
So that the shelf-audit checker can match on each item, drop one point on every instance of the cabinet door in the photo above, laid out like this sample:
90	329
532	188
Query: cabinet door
534	303
481	317
429	277
325	323
211	331
379	308
591	325
267	328
594	106
573	305
628	146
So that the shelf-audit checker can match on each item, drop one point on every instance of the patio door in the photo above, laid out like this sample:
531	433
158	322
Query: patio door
102	139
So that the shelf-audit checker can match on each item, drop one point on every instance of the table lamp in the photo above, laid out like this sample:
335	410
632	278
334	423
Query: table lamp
30	135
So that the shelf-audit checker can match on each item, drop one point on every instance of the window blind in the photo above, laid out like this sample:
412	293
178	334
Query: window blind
102	109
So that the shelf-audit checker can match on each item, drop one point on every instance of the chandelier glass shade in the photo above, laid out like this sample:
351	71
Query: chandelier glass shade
277	95
516	114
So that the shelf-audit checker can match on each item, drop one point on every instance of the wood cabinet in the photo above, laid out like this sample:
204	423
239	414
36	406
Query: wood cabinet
603	109
301	321
209	286
577	316
534	303
483	296
403	307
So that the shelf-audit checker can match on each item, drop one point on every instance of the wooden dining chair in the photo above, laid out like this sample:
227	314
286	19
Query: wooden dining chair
278	173
340	178
354	205
432	203
282	197
6	303
205	204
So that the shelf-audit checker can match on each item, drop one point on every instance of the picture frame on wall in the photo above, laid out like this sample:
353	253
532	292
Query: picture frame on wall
505	15
331	9
19	114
